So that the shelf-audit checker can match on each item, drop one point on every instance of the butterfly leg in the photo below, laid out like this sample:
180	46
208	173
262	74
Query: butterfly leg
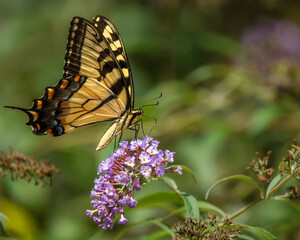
115	143
121	135
136	127
142	127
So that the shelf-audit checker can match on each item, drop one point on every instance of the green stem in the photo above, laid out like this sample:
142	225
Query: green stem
171	186
244	209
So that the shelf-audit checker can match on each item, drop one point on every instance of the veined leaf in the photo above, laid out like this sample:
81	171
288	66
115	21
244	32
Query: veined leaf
260	232
158	198
202	205
3	217
210	208
273	184
191	205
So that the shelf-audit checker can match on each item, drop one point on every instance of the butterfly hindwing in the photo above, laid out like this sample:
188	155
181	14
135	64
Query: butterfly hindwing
44	111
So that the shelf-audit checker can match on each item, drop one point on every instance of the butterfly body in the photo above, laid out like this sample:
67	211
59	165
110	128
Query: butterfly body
97	85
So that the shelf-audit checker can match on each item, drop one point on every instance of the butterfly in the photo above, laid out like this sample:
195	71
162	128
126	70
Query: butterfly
97	85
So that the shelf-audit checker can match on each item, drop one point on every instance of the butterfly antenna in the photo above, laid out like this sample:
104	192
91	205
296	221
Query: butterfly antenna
154	104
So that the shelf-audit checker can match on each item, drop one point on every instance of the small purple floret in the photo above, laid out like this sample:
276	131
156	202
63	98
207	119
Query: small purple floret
122	220
146	171
179	170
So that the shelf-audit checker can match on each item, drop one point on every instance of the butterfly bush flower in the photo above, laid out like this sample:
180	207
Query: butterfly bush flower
271	52
134	164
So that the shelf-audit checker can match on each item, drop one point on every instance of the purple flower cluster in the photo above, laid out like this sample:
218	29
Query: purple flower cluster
269	41
126	170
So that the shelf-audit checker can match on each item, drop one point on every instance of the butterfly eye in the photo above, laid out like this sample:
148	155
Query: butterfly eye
140	112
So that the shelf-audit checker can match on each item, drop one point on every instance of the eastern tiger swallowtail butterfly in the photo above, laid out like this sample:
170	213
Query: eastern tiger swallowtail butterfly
97	85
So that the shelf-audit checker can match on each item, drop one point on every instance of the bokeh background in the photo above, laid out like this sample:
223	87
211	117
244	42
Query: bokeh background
229	71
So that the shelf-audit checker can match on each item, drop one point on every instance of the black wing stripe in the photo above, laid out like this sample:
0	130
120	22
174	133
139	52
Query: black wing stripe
84	49
112	35
83	39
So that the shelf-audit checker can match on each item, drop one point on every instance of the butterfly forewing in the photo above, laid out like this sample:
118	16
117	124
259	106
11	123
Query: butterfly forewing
115	43
91	52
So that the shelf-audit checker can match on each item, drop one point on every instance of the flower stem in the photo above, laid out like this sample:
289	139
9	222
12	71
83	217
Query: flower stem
244	209
171	186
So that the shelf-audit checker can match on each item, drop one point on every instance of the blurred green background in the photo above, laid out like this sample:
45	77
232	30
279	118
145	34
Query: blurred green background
229	71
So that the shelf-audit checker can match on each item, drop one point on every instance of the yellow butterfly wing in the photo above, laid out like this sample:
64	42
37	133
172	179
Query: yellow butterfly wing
96	86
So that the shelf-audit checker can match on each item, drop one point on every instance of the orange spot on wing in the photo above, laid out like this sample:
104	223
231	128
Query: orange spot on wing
49	131
38	126
50	93
63	104
65	83
35	115
39	104
77	78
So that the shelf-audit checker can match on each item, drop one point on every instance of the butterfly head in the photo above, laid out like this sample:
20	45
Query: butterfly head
135	115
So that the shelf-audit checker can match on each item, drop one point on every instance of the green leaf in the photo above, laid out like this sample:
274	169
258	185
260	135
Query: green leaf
208	207
202	205
3	217
262	233
191	205
239	177
158	198
273	184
